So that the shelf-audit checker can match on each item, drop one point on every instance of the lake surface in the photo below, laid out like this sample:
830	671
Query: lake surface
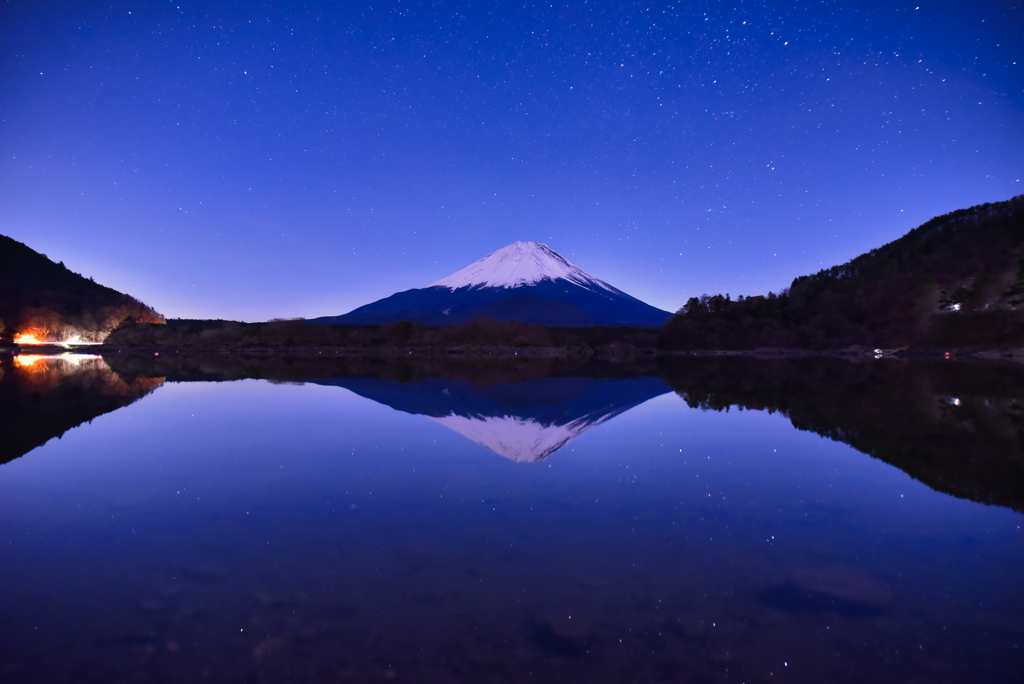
740	520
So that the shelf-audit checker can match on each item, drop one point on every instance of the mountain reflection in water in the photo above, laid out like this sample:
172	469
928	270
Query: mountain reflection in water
524	422
957	427
322	527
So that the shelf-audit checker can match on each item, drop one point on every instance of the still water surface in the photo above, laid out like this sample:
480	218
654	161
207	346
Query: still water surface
531	528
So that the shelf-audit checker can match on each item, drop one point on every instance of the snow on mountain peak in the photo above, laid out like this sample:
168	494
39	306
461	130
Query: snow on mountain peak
520	264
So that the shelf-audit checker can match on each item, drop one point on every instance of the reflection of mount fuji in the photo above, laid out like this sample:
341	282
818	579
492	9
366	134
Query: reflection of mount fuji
524	422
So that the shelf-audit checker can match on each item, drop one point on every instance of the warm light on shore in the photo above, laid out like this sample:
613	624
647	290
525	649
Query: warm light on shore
29	338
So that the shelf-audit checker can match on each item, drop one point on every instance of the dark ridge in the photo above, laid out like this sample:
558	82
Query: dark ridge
45	299
957	280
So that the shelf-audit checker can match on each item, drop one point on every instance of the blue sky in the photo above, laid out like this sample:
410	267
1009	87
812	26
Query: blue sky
258	160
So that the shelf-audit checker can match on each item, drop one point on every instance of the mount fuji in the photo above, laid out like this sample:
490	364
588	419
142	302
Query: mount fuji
525	281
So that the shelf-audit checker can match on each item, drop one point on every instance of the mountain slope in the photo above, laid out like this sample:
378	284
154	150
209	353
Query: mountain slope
525	281
45	301
956	280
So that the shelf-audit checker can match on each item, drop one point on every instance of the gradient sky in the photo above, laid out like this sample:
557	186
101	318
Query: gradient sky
258	160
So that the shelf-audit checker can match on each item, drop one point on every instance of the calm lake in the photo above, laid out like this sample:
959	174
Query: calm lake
704	519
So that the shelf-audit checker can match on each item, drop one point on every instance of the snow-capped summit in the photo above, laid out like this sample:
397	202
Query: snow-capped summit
519	264
525	281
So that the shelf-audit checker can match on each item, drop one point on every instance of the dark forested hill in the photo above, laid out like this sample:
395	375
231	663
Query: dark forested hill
46	301
956	280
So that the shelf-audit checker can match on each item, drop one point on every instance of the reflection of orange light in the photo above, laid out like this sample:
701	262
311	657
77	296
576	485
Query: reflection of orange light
28	339
30	360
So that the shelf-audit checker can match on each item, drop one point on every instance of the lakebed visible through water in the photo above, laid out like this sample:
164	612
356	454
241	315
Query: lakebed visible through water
694	519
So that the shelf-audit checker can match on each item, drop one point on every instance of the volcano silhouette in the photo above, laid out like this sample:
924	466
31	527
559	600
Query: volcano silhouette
525	281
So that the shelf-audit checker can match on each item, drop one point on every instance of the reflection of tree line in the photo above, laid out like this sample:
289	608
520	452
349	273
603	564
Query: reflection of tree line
957	427
43	398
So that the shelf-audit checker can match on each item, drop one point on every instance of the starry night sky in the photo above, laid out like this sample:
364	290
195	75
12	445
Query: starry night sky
253	160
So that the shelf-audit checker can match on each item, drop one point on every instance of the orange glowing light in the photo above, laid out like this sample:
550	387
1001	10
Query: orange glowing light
28	339
27	360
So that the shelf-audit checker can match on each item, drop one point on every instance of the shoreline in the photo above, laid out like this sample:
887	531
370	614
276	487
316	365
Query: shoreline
624	352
